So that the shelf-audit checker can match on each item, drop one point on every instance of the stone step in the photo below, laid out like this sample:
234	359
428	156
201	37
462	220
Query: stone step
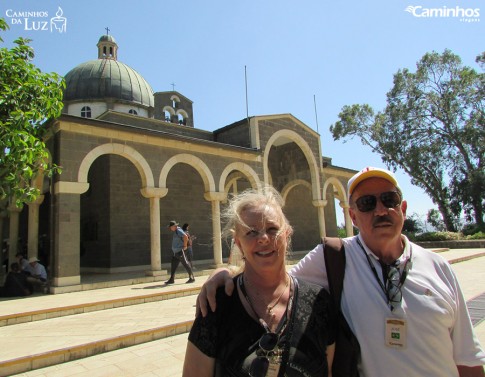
34	345
110	319
118	293
43	307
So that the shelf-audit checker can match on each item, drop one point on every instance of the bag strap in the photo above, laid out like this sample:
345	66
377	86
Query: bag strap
286	352
347	351
334	254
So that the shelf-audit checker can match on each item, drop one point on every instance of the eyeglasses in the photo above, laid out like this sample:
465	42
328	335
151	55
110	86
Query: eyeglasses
267	344
390	199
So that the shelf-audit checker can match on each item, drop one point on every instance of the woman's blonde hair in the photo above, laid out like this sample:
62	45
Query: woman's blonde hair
267	197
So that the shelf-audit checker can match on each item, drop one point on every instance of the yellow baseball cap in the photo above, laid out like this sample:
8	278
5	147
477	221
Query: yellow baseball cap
370	172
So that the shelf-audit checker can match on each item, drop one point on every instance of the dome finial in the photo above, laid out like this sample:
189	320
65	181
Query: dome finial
107	47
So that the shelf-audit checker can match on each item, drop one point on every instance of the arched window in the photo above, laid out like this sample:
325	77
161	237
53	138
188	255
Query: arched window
86	112
133	112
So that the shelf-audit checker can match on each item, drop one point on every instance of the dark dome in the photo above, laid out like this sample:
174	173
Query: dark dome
107	78
107	38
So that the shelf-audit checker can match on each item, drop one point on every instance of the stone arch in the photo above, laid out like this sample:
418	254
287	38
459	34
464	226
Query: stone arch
182	117
122	150
245	169
169	109
291	185
193	161
341	192
305	148
344	201
183	113
175	98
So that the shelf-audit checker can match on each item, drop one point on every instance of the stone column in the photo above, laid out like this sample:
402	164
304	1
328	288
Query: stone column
154	194
320	204
216	198
14	232
33	231
348	221
66	271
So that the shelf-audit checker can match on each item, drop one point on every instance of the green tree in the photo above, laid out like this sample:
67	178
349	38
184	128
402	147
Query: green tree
28	98
433	129
434	219
412	224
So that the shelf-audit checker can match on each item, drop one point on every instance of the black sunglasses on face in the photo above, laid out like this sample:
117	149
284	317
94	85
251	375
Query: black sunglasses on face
267	343
367	203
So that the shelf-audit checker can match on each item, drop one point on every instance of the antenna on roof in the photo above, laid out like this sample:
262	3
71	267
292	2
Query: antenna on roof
246	82
315	105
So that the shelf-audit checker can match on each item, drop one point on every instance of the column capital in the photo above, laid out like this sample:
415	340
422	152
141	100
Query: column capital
344	204
63	187
37	201
215	196
319	203
154	192
13	208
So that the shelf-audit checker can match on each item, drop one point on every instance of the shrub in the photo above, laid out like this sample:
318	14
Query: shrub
470	229
410	235
476	236
439	236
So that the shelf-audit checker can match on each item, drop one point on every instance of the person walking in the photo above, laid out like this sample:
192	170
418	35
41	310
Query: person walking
179	249
190	243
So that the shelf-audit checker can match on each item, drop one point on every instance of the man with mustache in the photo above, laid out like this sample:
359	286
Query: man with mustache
403	303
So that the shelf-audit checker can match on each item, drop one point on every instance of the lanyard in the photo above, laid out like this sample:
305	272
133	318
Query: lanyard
402	278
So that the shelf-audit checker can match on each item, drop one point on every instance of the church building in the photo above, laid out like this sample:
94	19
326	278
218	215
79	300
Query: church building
133	160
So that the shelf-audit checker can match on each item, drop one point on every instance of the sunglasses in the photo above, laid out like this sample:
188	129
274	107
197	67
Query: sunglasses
267	344
367	203
393	288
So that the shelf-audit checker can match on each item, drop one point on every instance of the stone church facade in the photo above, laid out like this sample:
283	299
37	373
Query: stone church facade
132	160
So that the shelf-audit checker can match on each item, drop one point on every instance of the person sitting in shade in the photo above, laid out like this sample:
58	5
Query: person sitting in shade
22	262
16	284
37	273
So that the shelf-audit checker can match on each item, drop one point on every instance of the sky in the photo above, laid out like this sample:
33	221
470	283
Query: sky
308	58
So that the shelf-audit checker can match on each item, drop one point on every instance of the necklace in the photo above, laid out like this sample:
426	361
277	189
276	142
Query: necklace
271	306
268	314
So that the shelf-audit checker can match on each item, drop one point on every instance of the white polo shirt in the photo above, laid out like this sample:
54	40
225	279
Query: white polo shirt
439	331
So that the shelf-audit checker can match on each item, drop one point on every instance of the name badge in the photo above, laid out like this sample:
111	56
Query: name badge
273	369
396	333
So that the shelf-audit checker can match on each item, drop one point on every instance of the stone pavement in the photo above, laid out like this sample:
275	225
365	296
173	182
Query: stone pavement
142	332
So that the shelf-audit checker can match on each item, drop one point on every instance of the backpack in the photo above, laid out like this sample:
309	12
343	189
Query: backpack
347	349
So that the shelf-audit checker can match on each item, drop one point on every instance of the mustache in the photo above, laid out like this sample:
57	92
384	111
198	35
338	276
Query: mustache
382	219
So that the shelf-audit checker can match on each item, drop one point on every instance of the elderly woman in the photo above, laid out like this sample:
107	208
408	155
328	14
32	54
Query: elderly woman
276	324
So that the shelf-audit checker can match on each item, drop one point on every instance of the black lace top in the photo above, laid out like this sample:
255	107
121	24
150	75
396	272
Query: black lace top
231	335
